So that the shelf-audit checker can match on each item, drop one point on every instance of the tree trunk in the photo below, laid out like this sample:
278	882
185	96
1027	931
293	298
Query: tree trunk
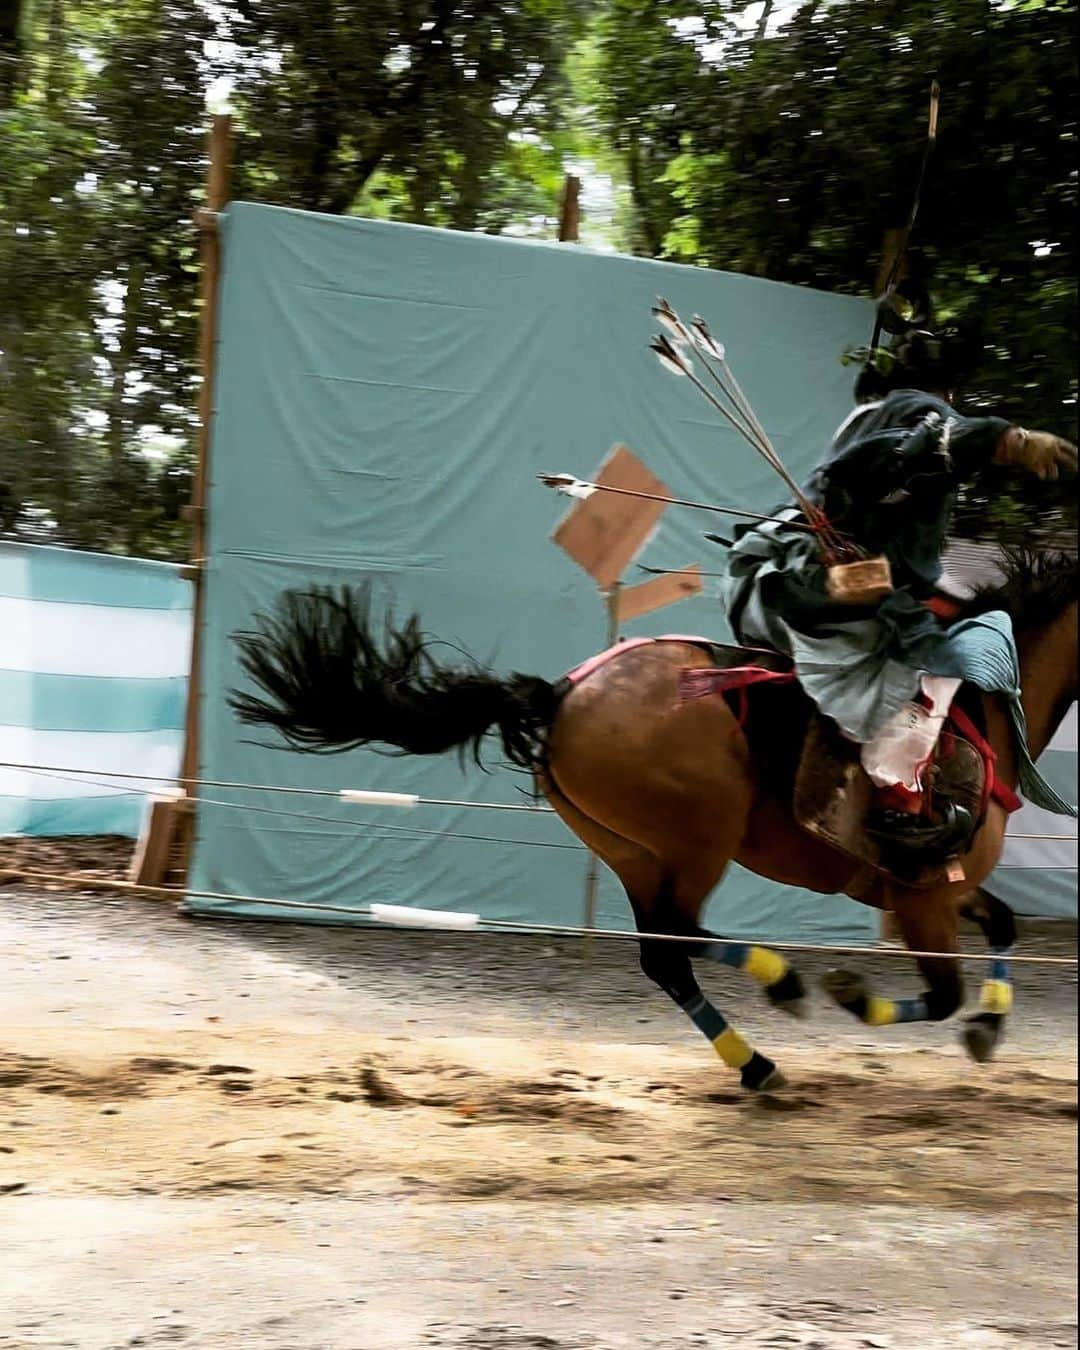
55	74
640	195
11	50
316	192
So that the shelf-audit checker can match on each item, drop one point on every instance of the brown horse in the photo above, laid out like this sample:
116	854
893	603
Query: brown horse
668	793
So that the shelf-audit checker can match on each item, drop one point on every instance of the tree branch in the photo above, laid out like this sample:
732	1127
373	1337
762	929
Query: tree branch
405	98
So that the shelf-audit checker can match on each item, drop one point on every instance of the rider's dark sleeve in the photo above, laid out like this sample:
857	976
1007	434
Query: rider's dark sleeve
900	427
972	442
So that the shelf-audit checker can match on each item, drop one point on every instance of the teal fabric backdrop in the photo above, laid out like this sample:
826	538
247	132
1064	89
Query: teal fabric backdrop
385	396
1037	874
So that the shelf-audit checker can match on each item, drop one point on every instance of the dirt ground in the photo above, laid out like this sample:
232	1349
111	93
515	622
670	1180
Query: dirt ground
291	1138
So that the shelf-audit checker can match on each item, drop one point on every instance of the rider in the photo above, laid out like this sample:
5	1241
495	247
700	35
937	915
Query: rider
881	671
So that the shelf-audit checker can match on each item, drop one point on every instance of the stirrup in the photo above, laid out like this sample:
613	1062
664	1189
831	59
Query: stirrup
911	838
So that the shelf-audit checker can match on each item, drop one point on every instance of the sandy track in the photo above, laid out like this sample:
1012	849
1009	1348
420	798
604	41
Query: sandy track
527	1120
297	1139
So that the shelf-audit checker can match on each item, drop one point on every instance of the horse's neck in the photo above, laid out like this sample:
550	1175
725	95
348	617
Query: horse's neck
1048	677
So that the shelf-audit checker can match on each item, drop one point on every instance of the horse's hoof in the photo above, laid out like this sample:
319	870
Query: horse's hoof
844	987
761	1075
788	995
981	1036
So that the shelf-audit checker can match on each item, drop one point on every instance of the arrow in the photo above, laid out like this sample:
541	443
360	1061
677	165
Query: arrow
570	486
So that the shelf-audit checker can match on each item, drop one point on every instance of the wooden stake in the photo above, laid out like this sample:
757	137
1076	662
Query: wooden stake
570	211
179	822
217	196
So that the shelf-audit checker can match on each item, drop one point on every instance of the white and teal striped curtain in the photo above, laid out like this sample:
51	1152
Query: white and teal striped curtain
94	654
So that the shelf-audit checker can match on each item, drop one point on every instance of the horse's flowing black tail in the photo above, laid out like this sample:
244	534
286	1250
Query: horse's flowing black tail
327	684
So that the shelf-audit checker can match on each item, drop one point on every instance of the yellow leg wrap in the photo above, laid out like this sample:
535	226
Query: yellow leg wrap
881	1012
732	1049
996	996
764	965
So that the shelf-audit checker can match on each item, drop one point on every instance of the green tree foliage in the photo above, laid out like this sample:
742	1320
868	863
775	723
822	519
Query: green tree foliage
788	152
102	143
433	111
780	139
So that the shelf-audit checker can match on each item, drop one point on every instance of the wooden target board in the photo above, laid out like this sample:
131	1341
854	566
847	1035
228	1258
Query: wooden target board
631	602
604	532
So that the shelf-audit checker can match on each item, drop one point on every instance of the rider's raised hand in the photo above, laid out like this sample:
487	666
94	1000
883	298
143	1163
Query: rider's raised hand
1041	453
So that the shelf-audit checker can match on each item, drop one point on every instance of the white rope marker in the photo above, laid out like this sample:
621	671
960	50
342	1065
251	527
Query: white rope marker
404	917
369	797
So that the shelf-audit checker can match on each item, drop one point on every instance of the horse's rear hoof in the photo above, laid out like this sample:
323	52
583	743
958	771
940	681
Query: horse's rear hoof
981	1035
844	987
761	1075
788	995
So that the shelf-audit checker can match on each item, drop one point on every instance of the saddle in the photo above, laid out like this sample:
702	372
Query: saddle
832	795
819	770
804	759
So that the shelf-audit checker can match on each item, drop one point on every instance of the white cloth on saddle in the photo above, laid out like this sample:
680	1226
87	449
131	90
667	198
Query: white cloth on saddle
902	749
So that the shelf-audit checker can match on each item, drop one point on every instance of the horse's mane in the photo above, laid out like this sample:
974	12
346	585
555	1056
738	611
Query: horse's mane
1034	588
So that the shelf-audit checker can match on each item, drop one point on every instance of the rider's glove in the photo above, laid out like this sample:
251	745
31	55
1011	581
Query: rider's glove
1039	452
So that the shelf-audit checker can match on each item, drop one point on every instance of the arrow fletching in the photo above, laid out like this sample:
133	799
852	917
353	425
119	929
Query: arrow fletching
667	318
670	357
704	338
567	484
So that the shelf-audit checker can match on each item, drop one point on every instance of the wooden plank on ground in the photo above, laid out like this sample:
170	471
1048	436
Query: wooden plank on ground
152	848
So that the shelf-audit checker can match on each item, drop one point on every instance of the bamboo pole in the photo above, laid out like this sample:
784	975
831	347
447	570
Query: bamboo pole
170	831
218	178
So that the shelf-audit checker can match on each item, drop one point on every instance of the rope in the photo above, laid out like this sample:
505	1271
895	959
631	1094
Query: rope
410	830
99	778
508	926
62	769
372	825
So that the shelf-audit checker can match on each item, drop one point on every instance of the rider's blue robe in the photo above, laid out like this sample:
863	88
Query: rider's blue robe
889	482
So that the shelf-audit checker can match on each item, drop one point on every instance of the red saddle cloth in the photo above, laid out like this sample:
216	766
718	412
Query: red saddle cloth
695	683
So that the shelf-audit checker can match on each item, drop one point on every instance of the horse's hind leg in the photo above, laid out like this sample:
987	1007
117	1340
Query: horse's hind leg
674	910
781	982
667	901
668	965
984	1030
